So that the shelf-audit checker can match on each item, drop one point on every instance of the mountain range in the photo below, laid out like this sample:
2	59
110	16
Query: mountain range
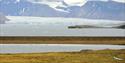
109	10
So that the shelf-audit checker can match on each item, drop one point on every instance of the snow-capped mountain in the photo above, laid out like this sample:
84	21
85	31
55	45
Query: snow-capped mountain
91	9
99	10
26	8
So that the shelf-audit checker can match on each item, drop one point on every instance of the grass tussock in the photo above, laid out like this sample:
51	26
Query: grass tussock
88	56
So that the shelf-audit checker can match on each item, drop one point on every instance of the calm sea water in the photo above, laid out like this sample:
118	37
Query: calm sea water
34	48
55	30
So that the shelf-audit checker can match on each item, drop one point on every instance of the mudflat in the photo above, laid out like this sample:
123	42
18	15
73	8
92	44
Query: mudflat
62	40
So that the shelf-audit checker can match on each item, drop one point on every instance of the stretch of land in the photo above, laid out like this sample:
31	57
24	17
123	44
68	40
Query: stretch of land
62	40
84	56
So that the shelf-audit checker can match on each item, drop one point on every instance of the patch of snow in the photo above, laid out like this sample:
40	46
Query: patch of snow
53	5
17	1
62	10
116	58
123	1
75	2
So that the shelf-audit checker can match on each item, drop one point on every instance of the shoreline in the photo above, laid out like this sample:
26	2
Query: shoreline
86	50
61	40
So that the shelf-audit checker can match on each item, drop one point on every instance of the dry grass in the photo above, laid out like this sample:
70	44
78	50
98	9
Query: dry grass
100	56
62	40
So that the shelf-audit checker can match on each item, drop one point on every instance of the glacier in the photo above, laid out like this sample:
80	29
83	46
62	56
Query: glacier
42	26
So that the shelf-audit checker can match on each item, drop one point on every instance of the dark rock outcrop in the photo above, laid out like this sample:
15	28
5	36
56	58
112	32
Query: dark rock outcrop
121	26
